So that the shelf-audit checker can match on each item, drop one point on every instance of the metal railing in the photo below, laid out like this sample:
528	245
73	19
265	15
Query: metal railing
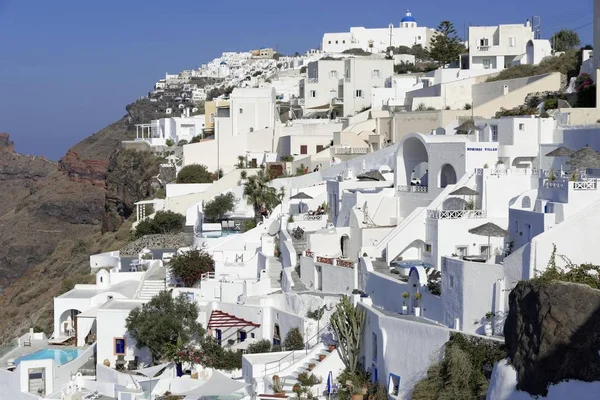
290	358
351	150
590	184
413	189
455	214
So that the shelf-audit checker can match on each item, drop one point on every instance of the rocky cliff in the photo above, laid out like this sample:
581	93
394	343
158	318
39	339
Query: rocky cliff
553	334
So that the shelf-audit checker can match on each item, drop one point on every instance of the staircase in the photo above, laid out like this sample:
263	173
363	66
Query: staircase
299	286
188	230
151	287
274	269
291	377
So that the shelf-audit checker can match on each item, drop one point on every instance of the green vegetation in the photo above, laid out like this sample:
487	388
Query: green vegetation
189	266
216	92
294	340
517	111
289	158
169	142
568	64
303	69
164	322
405	67
356	52
262	346
163	222
348	323
586	274
216	209
565	40
464	372
215	356
248	225
196	139
446	46
260	195
195	173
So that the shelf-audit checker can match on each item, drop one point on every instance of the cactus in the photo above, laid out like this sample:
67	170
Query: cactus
348	322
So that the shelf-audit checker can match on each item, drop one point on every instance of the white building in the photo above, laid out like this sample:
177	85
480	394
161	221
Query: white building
321	85
379	39
175	129
361	75
499	47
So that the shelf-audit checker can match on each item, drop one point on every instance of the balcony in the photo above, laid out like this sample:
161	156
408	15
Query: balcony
351	150
337	100
313	80
456	214
483	48
336	262
413	189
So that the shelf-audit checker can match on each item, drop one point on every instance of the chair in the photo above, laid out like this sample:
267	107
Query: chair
27	341
120	363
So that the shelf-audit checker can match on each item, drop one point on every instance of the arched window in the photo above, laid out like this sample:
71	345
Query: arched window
526	202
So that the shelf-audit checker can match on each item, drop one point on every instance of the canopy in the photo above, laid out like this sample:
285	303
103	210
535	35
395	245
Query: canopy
464	191
218	385
562	151
584	158
151	372
489	229
373	175
301	196
467	127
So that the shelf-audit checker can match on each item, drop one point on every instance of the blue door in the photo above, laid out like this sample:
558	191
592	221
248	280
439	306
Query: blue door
242	336
218	333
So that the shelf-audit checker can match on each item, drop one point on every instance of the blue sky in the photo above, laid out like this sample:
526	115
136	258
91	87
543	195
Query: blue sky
69	67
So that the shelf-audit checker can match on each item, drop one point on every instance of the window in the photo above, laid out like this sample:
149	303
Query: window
419	37
485	250
119	346
276	336
242	336
358	93
483	42
375	73
343	41
319	148
212	118
333	74
462	251
241	110
427	248
330	42
512	41
303	149
252	335
451	281
521	127
374	342
394	385
494	133
313	93
487	64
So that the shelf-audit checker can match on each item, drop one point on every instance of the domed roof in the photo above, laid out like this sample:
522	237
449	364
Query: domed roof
408	17
223	63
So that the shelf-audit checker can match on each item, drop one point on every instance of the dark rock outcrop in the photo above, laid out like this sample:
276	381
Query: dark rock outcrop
552	334
90	171
5	143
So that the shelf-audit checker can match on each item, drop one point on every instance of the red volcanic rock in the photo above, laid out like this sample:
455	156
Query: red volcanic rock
79	170
5	143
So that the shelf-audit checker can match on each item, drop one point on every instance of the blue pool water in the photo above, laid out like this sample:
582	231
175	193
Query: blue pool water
60	356
218	234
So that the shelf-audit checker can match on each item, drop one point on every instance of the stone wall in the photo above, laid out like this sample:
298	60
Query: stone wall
553	334
155	242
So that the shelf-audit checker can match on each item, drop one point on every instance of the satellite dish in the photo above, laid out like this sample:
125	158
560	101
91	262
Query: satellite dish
274	228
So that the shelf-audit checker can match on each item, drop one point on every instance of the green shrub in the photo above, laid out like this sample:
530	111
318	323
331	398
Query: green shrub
195	173
163	222
567	64
169	142
262	346
294	340
216	209
191	265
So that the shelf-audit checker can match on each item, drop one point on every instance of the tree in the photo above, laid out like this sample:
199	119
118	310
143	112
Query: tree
189	266
262	346
564	40
214	356
294	340
402	50
164	322
419	52
259	194
163	222
446	46
195	173
348	322
216	209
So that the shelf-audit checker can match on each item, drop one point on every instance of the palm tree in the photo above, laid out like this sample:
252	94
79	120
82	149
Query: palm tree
259	194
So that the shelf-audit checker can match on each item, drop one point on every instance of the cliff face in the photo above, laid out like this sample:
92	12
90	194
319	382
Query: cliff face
552	334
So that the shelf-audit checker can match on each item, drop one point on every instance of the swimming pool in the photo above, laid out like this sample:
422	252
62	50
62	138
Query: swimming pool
60	356
218	234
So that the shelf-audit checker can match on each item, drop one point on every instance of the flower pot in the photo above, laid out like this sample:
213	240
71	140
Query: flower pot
357	397
296	388
332	347
322	357
311	366
487	329
404	309
417	311
106	363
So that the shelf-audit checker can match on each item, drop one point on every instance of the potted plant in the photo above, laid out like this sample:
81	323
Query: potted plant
290	223
311	366
277	385
322	357
296	388
487	325
332	347
404	306
486	166
417	309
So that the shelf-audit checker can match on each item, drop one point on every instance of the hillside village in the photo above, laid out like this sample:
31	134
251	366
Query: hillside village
361	221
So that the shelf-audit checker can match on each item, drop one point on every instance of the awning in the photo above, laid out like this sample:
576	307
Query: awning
218	385
220	319
152	372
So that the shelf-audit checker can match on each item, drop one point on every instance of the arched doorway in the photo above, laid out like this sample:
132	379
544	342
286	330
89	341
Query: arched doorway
276	335
416	161
345	245
447	175
68	323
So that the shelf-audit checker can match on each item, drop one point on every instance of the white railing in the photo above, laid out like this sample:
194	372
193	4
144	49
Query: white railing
455	214
507	171
413	189
590	184
313	80
483	48
351	150
308	217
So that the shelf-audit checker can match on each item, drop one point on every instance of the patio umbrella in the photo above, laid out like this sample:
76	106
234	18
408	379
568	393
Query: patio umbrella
467	127
153	372
464	191
583	158
489	229
300	196
372	175
561	151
